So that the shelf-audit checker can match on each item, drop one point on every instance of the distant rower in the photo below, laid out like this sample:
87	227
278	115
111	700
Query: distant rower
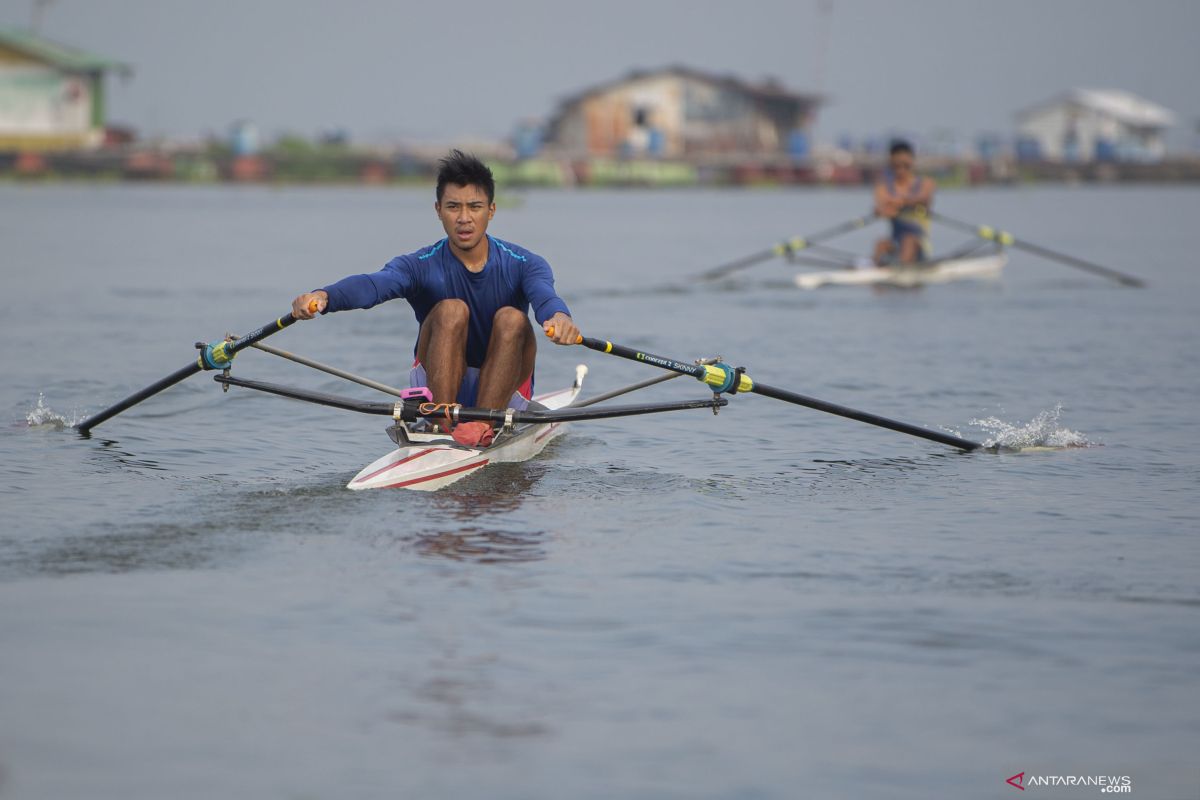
904	197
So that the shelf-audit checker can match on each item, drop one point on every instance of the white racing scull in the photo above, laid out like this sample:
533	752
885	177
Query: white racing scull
983	267
428	461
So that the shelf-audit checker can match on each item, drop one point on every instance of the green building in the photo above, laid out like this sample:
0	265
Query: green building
51	95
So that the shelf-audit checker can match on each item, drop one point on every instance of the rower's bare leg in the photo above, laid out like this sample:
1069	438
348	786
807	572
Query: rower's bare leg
910	249
509	360
442	348
883	249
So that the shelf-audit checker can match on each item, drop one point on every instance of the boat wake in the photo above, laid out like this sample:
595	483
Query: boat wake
42	417
1042	432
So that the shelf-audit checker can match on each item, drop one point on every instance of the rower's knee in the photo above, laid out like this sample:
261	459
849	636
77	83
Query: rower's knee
509	322
450	313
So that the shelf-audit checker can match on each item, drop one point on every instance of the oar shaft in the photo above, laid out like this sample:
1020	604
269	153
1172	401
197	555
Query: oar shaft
864	416
1007	239
1079	263
792	245
742	263
697	371
716	375
137	397
223	353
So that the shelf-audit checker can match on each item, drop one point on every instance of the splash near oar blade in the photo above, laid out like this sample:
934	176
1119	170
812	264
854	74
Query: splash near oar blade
725	379
1006	239
217	355
1043	433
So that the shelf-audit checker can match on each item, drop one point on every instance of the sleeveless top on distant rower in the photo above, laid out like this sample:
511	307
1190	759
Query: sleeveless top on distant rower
913	219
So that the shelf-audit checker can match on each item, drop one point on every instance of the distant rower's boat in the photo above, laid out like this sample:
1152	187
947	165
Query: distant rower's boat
984	267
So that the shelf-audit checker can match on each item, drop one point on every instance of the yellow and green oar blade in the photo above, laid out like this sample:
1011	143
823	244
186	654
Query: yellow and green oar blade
793	245
723	378
217	355
1006	239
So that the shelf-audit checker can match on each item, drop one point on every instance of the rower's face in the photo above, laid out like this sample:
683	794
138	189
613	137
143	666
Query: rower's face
902	163
465	213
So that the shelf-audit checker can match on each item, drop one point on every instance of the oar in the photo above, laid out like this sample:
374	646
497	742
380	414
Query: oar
723	378
217	355
633	387
1006	239
794	245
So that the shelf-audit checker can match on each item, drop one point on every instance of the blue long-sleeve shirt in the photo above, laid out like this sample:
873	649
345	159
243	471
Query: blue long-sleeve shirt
512	276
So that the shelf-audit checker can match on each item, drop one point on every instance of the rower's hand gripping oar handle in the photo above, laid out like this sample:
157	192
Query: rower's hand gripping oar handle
550	335
219	355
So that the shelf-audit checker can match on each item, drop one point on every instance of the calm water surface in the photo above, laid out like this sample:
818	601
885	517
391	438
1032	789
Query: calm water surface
771	603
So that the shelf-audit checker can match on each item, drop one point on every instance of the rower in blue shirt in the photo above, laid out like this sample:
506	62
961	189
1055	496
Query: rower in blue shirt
471	294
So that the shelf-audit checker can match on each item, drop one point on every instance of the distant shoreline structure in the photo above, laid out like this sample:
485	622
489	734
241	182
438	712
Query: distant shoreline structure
345	165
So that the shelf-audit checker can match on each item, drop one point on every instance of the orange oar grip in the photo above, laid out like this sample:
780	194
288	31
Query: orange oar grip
550	334
313	305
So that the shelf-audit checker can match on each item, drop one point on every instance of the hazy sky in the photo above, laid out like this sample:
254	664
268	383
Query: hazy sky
449	70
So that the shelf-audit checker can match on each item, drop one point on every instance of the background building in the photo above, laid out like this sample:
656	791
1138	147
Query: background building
681	113
51	96
1093	125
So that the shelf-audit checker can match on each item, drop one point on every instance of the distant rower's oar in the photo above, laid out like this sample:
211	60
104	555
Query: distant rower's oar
1006	239
723	378
212	356
794	245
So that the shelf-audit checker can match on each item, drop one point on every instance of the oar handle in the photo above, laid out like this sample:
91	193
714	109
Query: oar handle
550	335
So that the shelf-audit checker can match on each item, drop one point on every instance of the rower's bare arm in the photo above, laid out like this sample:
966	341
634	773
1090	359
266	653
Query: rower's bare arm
308	305
561	329
928	187
885	205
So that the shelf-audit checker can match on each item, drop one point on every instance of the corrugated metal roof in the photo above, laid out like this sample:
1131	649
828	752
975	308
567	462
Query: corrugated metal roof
1117	103
769	89
58	55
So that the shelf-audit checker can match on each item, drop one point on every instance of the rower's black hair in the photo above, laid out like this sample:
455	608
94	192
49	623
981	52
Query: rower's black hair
900	146
463	169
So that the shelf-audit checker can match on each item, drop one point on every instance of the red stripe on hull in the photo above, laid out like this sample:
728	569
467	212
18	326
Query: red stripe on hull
435	476
393	465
